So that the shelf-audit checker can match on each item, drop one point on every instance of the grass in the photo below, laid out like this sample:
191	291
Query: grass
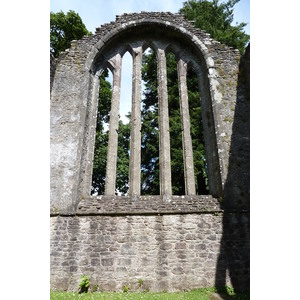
200	294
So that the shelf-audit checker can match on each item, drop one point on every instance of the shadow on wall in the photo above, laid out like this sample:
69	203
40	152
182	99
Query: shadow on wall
234	256
52	70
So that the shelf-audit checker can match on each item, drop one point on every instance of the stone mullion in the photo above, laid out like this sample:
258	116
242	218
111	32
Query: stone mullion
135	135
112	149
188	160
164	132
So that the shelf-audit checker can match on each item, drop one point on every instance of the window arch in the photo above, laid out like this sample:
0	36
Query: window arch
78	73
162	44
113	58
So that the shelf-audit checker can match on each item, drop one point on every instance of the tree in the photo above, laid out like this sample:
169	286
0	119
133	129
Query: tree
101	139
200	165
216	19
122	179
150	135
101	143
149	131
99	162
210	16
64	29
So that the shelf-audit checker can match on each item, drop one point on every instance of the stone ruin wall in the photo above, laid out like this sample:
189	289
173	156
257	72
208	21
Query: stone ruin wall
182	243
173	246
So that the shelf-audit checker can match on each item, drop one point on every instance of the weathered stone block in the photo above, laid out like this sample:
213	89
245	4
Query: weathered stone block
127	250
178	270
107	262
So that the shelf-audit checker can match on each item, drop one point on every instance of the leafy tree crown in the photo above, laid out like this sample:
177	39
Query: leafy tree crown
64	29
216	19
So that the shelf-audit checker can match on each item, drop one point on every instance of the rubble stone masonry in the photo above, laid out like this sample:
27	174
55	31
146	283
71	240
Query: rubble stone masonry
171	242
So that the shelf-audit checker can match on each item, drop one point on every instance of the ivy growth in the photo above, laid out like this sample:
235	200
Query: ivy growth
84	284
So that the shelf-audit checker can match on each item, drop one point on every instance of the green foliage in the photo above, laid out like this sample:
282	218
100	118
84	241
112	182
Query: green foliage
199	294
101	140
213	17
84	284
149	130
101	143
122	179
150	136
64	29
140	282
105	93
230	291
177	167
216	18
100	158
125	288
95	288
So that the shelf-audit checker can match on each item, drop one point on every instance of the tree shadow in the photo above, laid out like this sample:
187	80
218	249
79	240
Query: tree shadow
234	258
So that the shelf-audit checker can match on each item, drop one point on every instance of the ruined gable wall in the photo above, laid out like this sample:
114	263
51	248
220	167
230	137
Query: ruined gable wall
70	109
182	244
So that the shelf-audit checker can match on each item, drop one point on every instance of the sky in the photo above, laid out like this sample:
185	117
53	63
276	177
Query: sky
97	12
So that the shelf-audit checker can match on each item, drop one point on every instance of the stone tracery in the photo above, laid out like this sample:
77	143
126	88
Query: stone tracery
74	99
135	146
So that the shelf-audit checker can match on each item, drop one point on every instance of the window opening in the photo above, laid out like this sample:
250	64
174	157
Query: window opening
177	165
122	176
200	163
149	130
101	139
102	130
150	177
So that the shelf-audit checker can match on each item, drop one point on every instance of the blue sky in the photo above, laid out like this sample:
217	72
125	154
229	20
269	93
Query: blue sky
97	12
